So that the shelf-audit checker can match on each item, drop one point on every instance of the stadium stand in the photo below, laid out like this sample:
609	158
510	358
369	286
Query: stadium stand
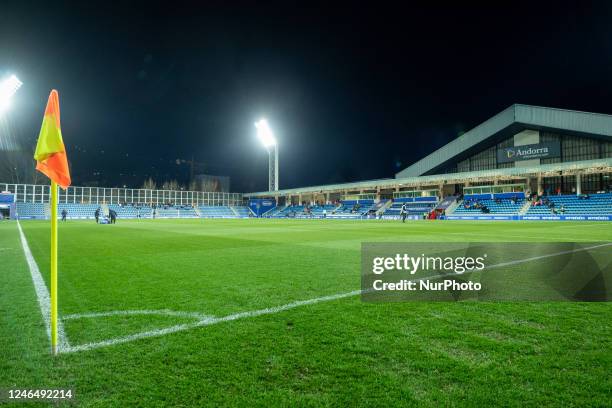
131	211
491	204
301	211
317	210
87	211
353	208
593	204
170	211
242	211
289	212
521	149
499	204
415	206
77	211
214	211
273	211
32	210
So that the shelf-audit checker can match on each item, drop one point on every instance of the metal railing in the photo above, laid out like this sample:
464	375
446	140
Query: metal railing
33	193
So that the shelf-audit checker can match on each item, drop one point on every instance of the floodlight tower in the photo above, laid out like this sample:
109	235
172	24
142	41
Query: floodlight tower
8	87
265	135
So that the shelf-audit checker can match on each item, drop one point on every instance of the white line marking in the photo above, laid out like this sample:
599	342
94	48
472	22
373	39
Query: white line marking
126	339
163	312
524	236
208	321
535	258
44	300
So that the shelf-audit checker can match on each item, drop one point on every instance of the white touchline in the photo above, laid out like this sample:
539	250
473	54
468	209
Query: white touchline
208	321
42	294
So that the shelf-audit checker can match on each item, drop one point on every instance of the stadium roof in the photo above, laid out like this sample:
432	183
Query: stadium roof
507	123
555	169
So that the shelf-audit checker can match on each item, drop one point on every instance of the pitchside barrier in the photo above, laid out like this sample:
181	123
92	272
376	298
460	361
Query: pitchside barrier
399	217
531	217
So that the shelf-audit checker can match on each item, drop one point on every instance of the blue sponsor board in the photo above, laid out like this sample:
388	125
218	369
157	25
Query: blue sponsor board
261	205
531	217
567	217
7	198
483	217
398	217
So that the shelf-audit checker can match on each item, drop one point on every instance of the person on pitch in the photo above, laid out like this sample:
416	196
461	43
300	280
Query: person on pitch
113	216
64	214
404	212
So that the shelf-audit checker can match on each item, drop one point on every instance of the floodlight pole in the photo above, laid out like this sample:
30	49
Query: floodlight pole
269	141
273	167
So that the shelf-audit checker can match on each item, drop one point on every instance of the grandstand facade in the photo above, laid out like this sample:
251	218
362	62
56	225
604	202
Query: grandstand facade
494	171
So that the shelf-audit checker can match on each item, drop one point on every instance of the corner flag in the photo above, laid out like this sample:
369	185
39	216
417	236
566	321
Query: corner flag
51	159
50	152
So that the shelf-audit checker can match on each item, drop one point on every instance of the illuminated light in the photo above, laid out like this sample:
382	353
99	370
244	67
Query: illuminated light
264	133
8	87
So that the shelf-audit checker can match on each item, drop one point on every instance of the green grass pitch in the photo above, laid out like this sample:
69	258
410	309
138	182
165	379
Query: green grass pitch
340	352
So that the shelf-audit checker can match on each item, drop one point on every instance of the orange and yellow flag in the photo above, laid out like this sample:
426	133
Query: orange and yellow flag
50	152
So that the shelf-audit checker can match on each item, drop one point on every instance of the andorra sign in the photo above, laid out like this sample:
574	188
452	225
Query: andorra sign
528	152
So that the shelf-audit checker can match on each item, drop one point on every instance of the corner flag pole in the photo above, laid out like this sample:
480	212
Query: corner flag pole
51	160
54	267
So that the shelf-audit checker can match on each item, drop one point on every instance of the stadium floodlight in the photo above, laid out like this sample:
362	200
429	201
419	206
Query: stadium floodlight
8	87
265	133
266	136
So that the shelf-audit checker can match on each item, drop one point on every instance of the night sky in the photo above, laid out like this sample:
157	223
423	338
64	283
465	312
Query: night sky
351	92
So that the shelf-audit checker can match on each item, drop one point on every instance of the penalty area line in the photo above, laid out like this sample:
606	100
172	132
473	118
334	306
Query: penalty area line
42	293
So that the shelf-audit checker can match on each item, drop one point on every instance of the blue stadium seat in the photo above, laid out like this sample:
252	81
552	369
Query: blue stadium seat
423	206
242	211
596	204
31	210
470	205
216	211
